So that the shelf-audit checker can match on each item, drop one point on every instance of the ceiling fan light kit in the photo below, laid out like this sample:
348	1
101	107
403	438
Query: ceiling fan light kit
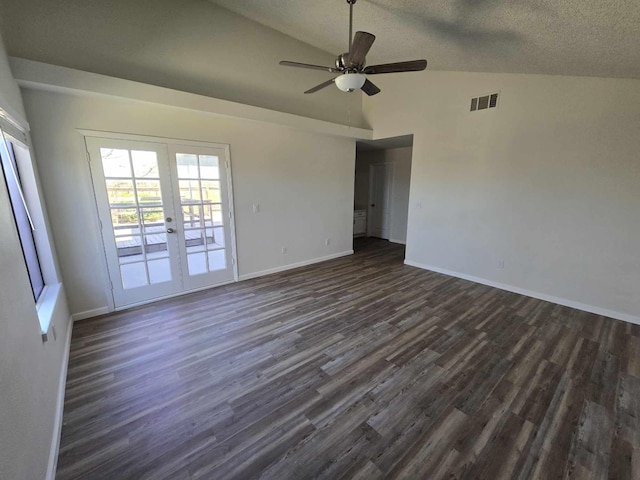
348	82
351	65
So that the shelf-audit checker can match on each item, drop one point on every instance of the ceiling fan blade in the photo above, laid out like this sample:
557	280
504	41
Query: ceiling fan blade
362	42
411	66
369	88
307	65
321	86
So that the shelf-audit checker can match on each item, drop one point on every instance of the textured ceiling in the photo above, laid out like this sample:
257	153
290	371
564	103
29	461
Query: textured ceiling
562	37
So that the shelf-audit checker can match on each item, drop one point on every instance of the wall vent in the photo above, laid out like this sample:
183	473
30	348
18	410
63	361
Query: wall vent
485	101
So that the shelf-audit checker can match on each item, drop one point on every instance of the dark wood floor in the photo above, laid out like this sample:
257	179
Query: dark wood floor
357	368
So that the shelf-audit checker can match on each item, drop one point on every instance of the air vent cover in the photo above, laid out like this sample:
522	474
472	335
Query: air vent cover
485	101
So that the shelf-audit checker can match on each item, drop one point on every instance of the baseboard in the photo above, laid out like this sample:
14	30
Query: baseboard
57	423
291	266
401	242
625	317
89	313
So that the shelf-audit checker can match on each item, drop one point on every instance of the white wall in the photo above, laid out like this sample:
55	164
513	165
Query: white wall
190	45
10	99
29	369
548	182
401	160
303	182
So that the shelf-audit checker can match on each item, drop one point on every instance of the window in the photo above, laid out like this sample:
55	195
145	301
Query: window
24	221
19	172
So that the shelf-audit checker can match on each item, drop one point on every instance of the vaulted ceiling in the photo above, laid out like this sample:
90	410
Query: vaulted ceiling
561	37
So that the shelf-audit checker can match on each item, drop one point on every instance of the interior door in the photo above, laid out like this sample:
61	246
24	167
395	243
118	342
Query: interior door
379	211
202	189
132	184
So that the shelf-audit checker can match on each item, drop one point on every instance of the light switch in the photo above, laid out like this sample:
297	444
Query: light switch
256	208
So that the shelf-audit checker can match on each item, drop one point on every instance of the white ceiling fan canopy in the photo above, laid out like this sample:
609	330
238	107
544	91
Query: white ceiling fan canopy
348	82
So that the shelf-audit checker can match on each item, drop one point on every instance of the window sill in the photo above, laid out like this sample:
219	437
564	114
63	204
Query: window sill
46	307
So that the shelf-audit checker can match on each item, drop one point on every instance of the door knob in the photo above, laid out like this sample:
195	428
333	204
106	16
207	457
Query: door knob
373	204
170	230
168	219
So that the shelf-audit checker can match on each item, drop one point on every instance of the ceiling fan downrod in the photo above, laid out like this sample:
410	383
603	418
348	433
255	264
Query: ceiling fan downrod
351	4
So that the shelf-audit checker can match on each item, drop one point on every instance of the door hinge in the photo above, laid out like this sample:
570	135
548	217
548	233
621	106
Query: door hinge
226	164
111	285
233	260
100	223
88	156
230	215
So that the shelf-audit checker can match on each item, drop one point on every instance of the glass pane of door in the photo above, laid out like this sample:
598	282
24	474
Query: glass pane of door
201	204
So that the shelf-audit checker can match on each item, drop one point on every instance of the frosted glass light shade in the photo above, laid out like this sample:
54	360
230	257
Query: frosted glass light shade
349	82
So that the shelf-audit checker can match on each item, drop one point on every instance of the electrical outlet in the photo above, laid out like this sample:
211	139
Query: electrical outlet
501	264
256	208
284	250
327	242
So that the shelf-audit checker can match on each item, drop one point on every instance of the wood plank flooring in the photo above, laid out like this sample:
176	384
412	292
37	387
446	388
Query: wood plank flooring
356	368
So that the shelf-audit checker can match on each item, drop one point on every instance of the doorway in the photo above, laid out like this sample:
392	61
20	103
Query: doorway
381	190
165	210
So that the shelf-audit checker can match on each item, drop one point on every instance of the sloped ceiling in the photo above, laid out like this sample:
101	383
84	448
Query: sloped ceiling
561	37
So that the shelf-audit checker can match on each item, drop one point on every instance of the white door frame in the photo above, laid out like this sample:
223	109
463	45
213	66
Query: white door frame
169	142
392	166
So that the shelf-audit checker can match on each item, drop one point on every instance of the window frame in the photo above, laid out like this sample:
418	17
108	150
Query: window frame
52	294
21	215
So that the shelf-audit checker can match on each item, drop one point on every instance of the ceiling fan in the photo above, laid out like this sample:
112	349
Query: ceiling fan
351	65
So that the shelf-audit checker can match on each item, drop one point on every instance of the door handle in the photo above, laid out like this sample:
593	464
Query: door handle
170	230
373	204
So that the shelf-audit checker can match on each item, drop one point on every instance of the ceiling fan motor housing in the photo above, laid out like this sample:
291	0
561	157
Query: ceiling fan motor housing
343	60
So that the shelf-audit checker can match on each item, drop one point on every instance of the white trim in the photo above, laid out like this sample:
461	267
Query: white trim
90	313
52	78
395	240
57	421
11	115
46	306
291	266
625	317
149	138
232	211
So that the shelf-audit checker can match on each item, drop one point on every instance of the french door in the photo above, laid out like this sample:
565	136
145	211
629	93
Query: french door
166	216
